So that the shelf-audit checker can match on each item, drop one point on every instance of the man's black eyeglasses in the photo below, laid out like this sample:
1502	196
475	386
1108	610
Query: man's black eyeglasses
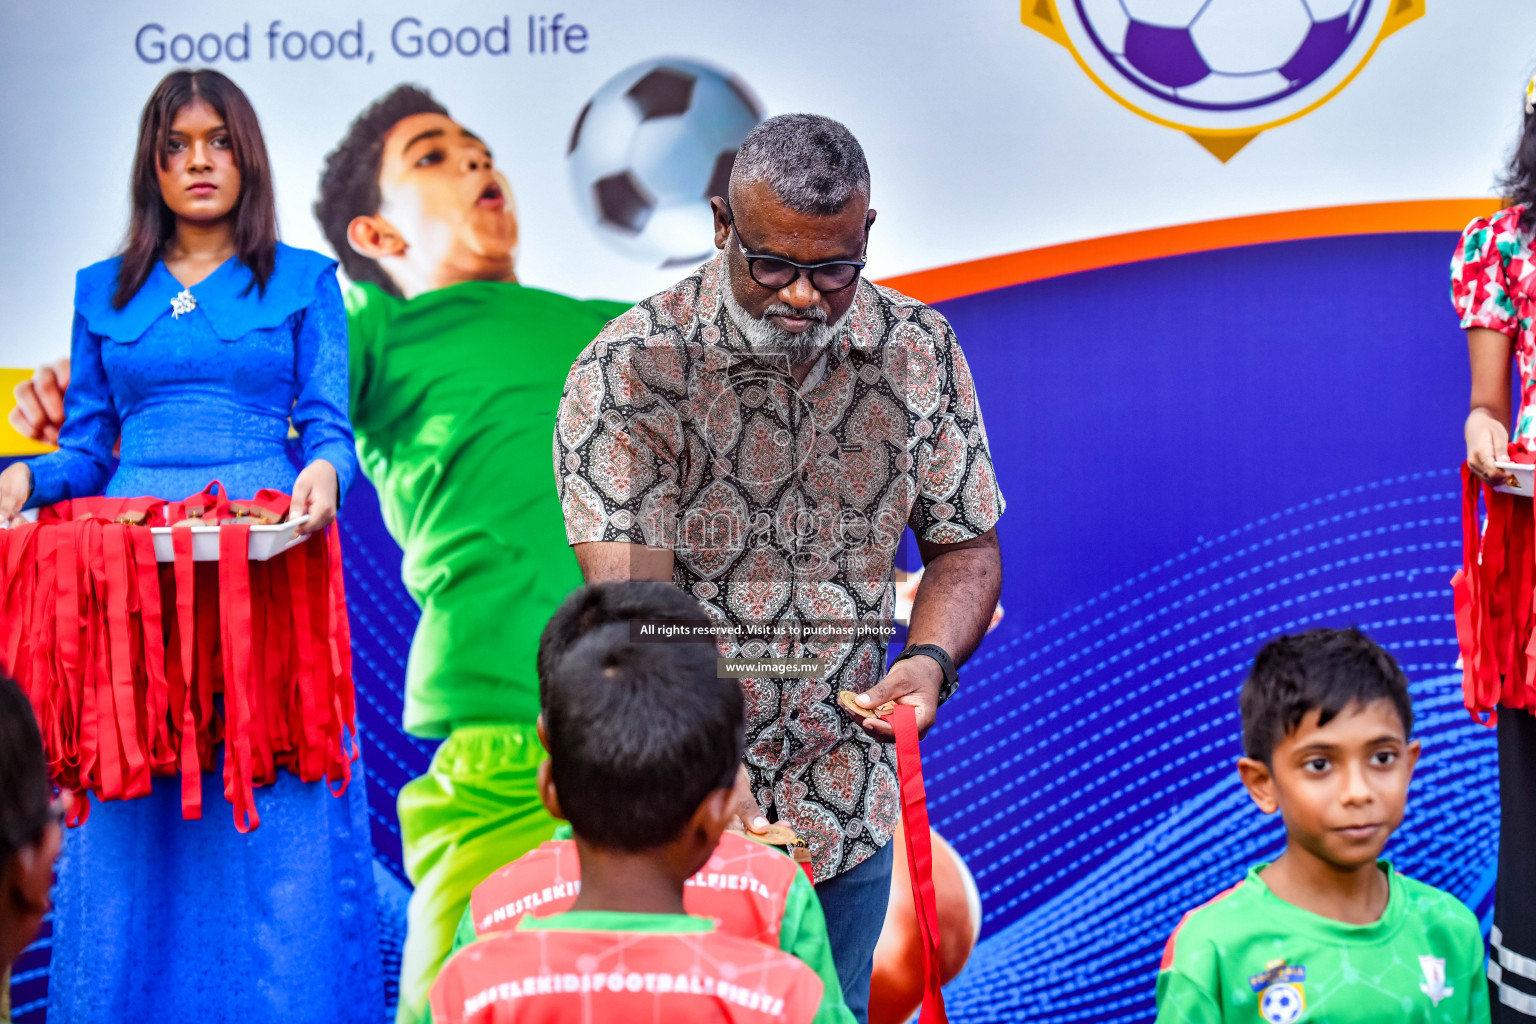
775	272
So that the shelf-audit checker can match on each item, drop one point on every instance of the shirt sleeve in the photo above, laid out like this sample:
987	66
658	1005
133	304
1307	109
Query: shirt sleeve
958	498
320	367
803	935
618	444
1479	280
1189	979
1182	999
83	463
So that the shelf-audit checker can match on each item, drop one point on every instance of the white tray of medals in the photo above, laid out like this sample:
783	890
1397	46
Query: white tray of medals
1525	479
267	540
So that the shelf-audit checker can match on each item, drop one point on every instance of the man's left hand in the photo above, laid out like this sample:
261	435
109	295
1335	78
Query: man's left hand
916	682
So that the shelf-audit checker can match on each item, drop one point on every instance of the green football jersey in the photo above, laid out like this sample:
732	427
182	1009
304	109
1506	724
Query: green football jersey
1248	955
454	396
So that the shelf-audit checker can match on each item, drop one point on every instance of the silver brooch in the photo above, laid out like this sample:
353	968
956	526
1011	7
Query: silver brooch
183	303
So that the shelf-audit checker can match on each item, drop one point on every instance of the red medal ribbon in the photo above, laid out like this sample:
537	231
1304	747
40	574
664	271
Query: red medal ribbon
123	661
914	818
185	575
1494	595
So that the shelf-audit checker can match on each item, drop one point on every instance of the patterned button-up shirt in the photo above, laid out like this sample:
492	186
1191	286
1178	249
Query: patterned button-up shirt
784	507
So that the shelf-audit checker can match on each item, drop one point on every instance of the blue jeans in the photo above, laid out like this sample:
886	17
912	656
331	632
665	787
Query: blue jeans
854	905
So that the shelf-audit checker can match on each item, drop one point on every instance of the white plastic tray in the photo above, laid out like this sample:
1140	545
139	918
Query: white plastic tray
1525	479
266	541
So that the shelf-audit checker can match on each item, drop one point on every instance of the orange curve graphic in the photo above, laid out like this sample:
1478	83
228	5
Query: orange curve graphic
975	276
992	272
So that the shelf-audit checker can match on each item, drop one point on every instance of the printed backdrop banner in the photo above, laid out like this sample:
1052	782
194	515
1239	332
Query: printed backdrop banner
1196	254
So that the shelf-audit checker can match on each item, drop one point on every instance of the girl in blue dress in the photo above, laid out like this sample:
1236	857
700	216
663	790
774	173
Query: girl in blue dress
195	349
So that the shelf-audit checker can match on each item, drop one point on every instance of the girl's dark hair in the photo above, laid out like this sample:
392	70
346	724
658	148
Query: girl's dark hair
1519	180
152	223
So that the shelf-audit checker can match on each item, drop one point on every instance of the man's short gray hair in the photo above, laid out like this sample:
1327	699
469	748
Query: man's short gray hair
812	163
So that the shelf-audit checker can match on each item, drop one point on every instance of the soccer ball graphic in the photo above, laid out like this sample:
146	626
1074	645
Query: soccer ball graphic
1222	55
1280	1004
649	150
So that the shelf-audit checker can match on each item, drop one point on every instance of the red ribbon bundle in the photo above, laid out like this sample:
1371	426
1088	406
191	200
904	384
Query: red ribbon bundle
123	660
914	819
1494	597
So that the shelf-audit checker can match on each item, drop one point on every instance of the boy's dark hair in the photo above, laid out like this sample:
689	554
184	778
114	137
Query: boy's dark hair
349	182
599	604
639	734
25	791
1322	669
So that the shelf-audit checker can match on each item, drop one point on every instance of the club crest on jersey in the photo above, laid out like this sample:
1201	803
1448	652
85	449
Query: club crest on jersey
1282	995
1434	979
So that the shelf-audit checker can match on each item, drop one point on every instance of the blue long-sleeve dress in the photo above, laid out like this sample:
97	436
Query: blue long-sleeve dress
156	918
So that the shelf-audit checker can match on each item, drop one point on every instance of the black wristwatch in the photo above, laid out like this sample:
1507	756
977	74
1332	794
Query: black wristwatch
951	682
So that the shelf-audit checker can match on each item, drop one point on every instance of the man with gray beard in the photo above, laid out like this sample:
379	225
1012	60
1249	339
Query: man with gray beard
762	434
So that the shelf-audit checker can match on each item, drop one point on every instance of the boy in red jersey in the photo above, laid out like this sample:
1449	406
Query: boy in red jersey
746	889
644	741
1327	932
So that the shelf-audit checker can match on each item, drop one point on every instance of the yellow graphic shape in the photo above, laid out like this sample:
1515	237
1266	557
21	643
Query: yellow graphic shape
12	443
1222	143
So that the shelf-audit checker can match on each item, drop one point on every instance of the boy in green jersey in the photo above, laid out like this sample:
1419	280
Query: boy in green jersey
456	374
1327	932
644	741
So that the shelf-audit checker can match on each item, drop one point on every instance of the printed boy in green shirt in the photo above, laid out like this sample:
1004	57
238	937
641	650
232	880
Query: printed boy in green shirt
456	374
1327	932
644	742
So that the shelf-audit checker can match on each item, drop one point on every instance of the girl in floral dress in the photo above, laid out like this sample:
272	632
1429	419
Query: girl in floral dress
1493	286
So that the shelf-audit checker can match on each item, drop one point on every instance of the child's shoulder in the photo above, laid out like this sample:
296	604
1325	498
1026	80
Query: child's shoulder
1214	921
549	851
1436	908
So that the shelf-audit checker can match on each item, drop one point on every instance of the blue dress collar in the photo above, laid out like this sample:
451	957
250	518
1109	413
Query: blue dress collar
227	298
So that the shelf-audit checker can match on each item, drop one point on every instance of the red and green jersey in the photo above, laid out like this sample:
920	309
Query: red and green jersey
595	966
1248	955
746	889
